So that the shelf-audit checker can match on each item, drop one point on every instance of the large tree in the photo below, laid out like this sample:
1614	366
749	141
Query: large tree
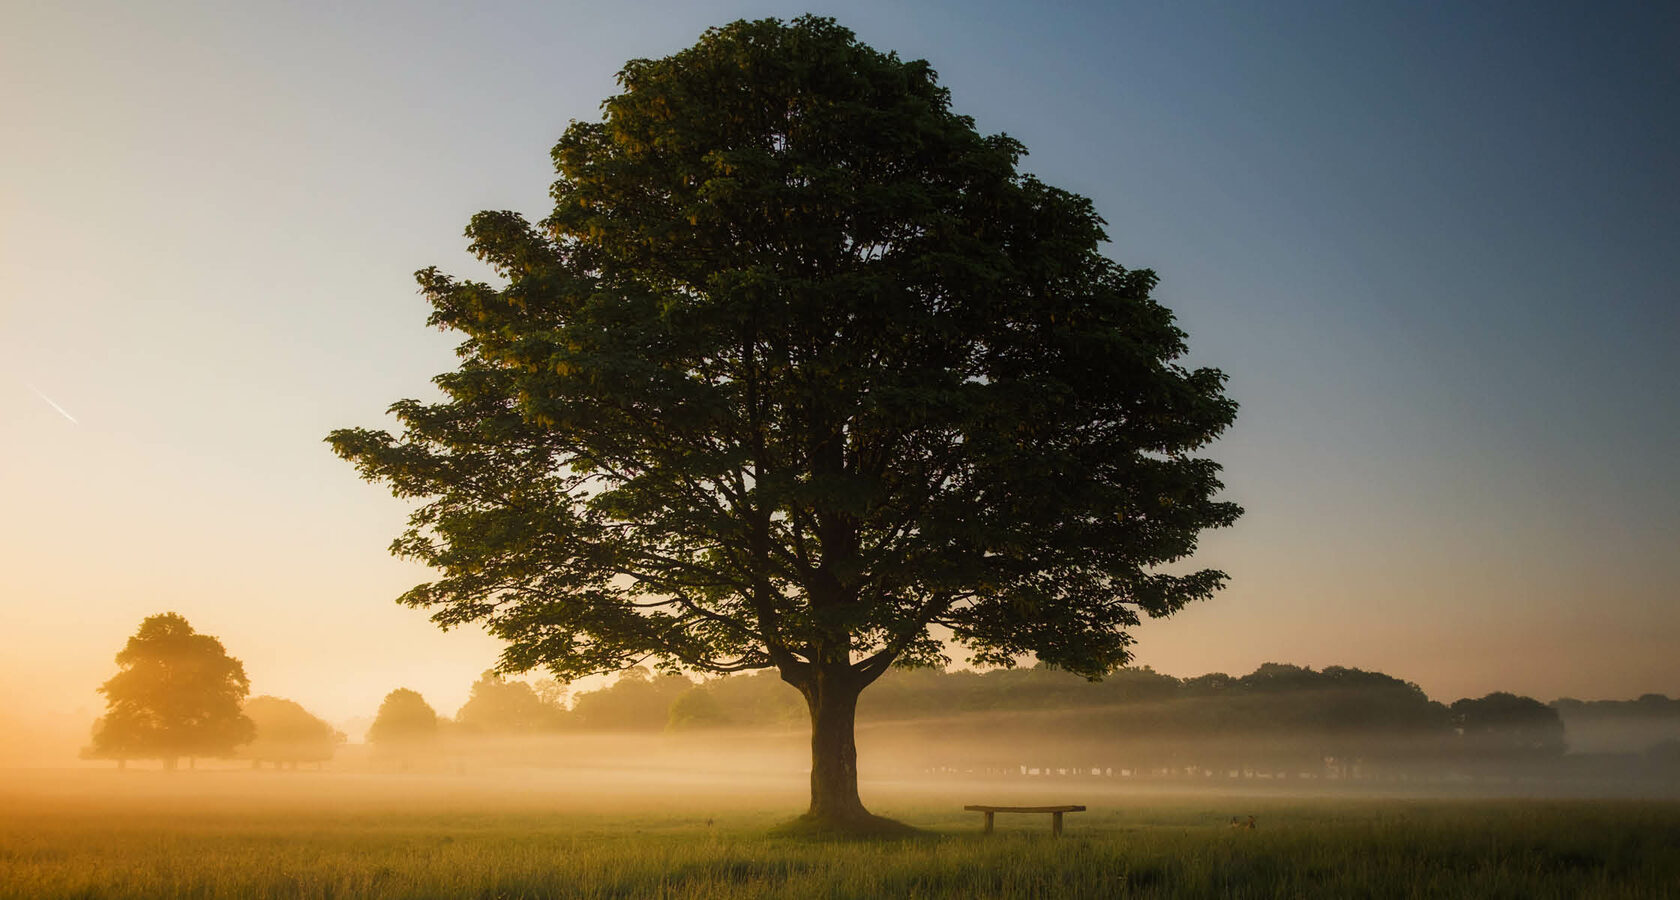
178	694
799	367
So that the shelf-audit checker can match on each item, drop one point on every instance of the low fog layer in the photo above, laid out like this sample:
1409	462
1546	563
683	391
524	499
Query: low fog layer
1283	728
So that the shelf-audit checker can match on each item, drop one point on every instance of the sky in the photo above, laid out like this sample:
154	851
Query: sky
1434	246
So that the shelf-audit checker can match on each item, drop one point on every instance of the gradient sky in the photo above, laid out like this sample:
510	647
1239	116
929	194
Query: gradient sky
1435	246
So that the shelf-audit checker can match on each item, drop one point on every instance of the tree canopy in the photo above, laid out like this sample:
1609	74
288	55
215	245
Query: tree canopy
639	700
404	719
499	706
288	733
1502	723
798	367
178	694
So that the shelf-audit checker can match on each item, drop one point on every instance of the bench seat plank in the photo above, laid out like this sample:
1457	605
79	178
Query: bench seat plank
1025	809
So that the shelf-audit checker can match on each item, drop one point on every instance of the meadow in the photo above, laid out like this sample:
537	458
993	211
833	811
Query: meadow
598	834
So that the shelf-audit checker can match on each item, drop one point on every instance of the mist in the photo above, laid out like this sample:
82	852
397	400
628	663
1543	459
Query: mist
1281	730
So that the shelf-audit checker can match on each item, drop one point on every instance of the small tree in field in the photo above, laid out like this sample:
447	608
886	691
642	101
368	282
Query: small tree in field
798	367
288	733
405	721
178	694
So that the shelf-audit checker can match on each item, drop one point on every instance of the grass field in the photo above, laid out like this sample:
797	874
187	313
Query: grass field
307	835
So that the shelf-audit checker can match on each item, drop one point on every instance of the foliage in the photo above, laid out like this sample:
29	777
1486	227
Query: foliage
1626	726
1503	723
286	732
404	719
1647	706
178	694
1273	697
748	700
551	693
499	706
798	365
638	701
698	707
1286	716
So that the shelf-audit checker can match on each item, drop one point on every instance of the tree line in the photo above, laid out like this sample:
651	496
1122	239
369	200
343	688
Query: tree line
179	694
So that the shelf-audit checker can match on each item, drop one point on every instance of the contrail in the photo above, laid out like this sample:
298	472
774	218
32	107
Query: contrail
61	410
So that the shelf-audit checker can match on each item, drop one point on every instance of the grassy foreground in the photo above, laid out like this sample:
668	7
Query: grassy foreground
334	836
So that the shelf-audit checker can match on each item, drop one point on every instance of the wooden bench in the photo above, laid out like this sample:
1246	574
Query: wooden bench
1054	811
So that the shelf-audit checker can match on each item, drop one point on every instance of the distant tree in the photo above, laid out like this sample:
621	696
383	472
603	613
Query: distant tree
178	694
1619	726
748	700
552	693
287	733
499	706
405	720
1278	677
1503	724
800	367
1140	684
638	701
698	707
1210	684
1654	706
1372	703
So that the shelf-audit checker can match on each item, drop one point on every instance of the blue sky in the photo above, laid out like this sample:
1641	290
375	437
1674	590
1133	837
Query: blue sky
1435	247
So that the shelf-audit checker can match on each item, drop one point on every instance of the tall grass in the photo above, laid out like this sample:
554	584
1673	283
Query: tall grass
90	846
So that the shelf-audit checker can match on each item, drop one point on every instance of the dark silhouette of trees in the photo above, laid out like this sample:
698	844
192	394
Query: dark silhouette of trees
1625	726
405	722
287	734
499	706
799	366
1503	724
178	694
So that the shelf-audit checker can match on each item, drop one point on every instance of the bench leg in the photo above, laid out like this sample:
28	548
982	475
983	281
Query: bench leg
1056	823
989	822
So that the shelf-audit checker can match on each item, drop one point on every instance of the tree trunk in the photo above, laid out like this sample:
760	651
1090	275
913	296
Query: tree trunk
832	698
